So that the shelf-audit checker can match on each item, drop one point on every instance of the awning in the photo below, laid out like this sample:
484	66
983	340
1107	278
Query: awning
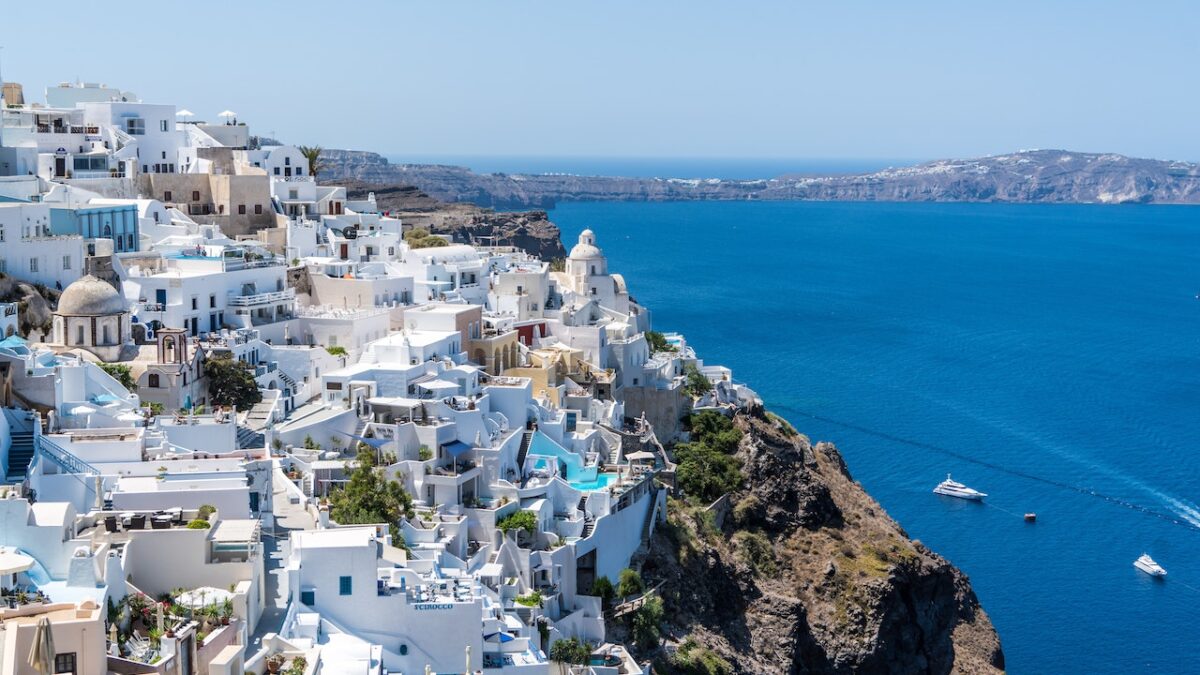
504	637
456	448
376	443
639	456
12	562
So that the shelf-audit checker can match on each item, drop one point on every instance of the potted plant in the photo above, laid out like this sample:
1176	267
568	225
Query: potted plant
299	663
226	611
274	663
155	636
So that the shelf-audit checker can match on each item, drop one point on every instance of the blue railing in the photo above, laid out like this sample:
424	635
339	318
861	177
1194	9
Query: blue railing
60	456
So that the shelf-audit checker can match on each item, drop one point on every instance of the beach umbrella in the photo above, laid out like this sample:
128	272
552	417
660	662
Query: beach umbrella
185	113
41	657
227	113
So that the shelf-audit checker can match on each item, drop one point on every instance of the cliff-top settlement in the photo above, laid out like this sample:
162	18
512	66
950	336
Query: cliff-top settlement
252	423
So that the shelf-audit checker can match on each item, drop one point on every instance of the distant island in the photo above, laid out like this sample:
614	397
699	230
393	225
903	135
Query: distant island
1028	176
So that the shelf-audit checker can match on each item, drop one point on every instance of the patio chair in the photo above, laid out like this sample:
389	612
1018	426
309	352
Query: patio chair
110	524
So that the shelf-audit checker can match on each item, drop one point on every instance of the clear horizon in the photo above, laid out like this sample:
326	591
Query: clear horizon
769	80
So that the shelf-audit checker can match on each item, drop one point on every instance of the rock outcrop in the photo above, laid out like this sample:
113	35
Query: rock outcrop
808	574
1028	176
530	231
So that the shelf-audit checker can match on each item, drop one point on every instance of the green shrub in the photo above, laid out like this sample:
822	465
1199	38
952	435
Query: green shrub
692	659
755	550
629	583
645	624
121	373
424	453
534	599
206	511
336	350
198	524
602	588
521	520
658	342
705	474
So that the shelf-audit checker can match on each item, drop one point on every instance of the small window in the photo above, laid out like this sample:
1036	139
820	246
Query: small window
308	598
64	663
153	381
345	585
162	126
164	152
195	195
135	126
287	161
33	267
258	209
241	209
66	262
166	196
276	171
212	300
195	304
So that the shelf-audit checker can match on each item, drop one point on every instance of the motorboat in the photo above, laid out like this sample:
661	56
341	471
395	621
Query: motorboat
1147	565
952	488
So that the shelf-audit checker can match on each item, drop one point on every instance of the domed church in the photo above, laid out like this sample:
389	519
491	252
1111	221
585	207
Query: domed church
93	316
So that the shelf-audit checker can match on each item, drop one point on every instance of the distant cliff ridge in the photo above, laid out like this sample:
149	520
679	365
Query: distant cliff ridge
1047	176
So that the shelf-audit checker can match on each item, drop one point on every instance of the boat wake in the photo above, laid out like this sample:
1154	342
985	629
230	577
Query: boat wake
1181	514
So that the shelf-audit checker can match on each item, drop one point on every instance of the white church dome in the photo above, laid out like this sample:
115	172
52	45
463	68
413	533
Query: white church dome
90	296
586	248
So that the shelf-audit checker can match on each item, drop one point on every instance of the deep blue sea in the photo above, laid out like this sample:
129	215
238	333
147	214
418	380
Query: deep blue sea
1047	355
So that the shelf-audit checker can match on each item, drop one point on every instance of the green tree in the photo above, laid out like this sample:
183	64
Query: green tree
121	373
697	384
658	342
313	154
370	497
336	350
521	520
714	430
570	651
645	624
231	382
602	588
705	474
629	583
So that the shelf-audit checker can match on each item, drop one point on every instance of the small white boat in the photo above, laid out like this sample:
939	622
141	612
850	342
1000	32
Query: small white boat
1147	565
952	488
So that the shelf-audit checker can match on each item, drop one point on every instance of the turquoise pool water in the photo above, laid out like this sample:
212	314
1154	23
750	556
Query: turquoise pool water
602	481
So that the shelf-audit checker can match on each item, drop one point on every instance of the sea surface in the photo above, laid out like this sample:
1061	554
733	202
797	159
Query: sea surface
730	168
1048	355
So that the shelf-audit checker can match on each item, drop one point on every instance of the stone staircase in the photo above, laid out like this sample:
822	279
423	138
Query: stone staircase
249	438
22	450
20	454
287	379
526	440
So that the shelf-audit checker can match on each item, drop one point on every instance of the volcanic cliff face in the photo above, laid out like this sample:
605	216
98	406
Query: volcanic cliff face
530	231
1029	176
807	574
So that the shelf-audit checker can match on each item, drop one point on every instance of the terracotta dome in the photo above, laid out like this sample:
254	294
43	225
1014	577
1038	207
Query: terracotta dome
90	296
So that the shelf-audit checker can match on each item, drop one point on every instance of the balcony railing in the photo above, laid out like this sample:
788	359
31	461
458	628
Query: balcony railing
286	295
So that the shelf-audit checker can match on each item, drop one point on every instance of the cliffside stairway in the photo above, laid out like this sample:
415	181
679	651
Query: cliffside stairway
20	453
526	440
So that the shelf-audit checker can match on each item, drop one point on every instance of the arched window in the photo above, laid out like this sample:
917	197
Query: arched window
153	381
79	334
104	330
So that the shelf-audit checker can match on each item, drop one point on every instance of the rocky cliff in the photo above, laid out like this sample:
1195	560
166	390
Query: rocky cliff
1027	176
530	231
807	574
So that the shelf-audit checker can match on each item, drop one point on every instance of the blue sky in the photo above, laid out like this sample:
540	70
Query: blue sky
656	79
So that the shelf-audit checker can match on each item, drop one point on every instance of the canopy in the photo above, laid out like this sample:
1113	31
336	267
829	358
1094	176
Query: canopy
639	456
457	448
205	595
504	637
373	442
12	562
184	113
228	113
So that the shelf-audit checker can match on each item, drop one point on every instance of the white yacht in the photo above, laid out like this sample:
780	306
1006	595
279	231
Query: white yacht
952	488
1147	565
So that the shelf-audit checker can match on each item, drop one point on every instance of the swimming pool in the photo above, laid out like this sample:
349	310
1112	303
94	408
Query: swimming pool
602	481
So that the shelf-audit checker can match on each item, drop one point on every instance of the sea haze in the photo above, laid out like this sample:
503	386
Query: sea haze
655	167
1048	355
